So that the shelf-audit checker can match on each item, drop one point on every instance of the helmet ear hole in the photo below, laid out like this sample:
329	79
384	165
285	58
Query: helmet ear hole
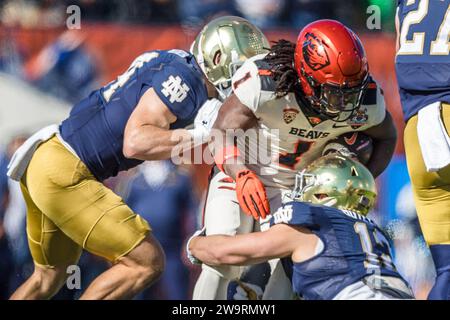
354	172
364	201
217	57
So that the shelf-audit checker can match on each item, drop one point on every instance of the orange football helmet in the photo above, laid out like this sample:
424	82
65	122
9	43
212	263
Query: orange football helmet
332	67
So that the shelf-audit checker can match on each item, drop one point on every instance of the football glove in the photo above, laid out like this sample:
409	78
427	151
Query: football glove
251	194
204	121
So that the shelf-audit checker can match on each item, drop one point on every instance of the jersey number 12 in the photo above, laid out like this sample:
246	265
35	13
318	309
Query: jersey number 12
374	258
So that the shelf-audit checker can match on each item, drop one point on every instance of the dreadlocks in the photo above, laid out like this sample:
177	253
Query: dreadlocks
281	59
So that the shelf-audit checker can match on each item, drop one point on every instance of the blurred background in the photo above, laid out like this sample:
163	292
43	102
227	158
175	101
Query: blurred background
45	68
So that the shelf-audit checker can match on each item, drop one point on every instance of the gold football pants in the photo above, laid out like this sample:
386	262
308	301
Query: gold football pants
431	189
69	210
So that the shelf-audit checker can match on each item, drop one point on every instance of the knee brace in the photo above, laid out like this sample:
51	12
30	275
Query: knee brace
441	258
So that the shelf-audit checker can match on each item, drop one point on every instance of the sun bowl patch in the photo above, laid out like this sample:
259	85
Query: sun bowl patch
289	115
359	119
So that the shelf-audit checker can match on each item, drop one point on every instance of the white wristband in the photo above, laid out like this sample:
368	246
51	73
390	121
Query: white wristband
190	256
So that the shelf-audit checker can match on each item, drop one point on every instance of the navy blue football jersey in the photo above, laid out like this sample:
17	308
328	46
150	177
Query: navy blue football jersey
95	127
423	61
354	247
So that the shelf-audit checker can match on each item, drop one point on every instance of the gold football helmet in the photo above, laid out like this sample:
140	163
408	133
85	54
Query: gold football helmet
222	47
336	181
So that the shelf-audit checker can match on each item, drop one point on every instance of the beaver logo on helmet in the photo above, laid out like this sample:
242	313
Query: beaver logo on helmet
315	53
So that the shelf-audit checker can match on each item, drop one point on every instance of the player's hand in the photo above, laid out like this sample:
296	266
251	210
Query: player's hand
204	121
207	114
244	291
251	194
189	254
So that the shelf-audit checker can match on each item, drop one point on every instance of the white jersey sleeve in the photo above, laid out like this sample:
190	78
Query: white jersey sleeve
247	84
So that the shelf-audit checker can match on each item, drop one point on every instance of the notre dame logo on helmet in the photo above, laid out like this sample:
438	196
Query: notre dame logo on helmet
315	52
289	115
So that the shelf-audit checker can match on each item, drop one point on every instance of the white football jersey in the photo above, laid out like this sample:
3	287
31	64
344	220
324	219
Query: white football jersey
301	134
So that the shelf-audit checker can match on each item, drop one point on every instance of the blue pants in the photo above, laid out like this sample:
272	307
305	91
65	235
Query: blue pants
441	257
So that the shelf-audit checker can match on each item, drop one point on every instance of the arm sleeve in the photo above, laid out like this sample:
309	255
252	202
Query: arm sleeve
179	90
247	85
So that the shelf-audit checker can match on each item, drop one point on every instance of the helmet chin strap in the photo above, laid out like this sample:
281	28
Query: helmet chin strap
331	202
223	92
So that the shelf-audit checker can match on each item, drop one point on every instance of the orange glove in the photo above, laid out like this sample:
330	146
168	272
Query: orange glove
251	194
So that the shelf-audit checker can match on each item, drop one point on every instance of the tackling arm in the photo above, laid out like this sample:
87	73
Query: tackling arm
147	135
384	137
277	242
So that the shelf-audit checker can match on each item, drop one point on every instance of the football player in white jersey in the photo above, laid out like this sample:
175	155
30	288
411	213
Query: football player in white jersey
311	92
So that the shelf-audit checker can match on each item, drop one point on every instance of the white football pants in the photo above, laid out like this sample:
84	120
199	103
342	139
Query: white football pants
223	215
361	291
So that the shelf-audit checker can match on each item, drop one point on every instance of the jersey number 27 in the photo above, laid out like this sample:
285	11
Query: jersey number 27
440	46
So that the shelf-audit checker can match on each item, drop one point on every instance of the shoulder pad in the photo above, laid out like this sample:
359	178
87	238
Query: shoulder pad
251	80
370	96
265	76
181	90
180	53
246	85
373	107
